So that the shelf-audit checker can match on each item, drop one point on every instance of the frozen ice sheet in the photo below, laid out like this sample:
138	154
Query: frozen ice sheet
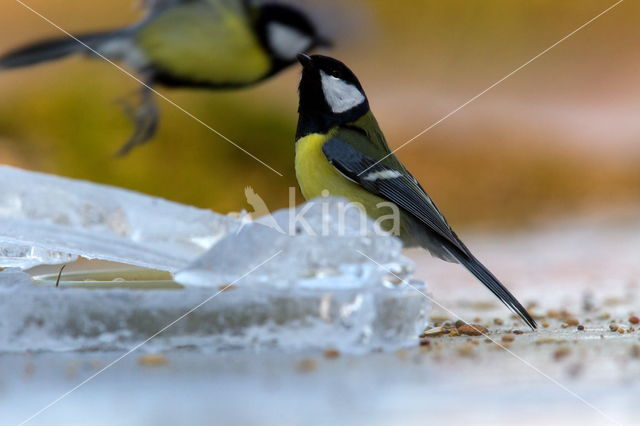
37	318
319	291
47	219
323	243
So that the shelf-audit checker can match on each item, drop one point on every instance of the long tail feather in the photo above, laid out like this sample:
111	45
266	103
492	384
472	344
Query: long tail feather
52	49
492	283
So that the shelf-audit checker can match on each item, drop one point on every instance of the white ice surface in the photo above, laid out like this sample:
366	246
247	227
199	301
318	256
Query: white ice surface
46	219
323	243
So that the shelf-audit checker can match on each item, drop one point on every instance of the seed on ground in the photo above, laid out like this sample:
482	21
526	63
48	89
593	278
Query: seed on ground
472	330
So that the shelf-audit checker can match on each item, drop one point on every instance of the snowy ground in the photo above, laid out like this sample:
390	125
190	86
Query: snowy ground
585	273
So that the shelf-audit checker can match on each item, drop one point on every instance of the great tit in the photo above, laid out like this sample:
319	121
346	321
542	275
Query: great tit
213	44
341	149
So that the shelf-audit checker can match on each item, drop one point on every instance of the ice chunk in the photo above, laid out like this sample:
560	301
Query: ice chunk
324	243
46	219
46	318
323	281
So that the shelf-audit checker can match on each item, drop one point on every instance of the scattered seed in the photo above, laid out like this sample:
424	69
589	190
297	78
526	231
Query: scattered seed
634	320
498	321
518	332
544	323
613	326
459	323
434	331
425	342
152	360
581	327
572	322
508	338
331	353
620	330
561	353
472	330
227	287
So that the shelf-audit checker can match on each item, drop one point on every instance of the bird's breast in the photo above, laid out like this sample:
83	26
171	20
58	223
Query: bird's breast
316	175
196	42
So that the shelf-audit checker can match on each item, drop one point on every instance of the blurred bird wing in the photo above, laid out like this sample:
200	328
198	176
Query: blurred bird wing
393	184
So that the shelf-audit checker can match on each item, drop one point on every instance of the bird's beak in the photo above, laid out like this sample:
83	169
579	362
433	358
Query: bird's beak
305	60
324	42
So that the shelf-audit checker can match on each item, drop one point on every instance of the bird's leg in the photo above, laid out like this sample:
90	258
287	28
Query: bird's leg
145	117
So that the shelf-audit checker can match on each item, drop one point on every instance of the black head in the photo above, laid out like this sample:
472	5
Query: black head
286	32
330	95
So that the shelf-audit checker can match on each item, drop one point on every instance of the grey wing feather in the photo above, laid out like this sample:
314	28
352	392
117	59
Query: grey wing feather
403	190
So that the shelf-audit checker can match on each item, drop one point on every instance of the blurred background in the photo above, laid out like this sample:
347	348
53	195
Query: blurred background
559	138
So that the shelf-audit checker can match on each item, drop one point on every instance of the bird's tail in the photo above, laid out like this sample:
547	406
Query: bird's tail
492	283
57	48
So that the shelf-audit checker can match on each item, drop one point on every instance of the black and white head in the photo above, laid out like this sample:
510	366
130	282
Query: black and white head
330	94
287	32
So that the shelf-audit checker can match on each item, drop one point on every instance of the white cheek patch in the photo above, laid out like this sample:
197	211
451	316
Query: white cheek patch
340	95
287	42
385	174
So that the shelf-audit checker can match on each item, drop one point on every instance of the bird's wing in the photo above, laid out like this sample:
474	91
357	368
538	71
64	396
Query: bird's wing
397	185
394	184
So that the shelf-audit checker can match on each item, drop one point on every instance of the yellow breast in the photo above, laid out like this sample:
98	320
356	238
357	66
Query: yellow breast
315	174
200	43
